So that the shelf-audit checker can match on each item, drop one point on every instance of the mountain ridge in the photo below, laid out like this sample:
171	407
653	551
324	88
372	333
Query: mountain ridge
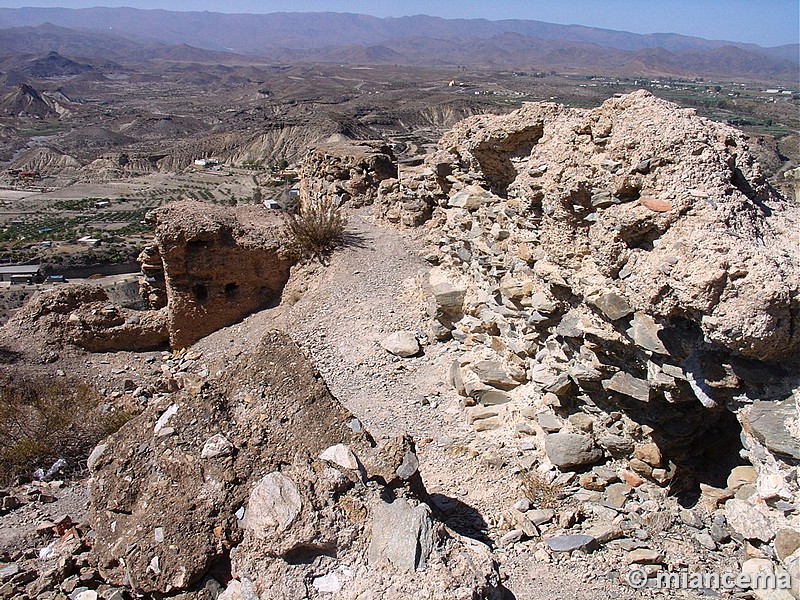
415	40
369	29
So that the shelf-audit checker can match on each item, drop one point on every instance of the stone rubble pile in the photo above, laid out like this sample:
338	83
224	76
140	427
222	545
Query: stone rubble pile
616	284
61	568
255	481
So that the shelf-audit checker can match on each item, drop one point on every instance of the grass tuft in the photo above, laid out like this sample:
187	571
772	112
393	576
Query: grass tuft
315	230
541	492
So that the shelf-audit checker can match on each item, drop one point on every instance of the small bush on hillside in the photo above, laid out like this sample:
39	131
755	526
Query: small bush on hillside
43	420
541	493
315	230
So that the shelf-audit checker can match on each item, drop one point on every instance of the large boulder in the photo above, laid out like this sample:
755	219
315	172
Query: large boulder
262	476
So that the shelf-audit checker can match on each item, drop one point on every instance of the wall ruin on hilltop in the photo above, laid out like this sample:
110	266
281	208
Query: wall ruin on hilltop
219	265
619	282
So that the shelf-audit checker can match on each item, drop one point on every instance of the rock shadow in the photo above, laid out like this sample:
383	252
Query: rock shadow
461	518
9	357
699	445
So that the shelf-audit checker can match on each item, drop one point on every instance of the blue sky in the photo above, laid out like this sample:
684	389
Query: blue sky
764	22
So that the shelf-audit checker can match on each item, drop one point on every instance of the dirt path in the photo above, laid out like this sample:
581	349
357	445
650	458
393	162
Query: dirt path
338	314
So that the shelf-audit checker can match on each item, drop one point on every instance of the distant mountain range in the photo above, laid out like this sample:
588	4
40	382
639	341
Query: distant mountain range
350	38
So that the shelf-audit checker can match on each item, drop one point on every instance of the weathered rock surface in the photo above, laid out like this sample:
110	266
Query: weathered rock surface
247	470
401	343
772	424
630	257
568	543
346	171
219	265
402	535
83	315
654	236
570	450
748	521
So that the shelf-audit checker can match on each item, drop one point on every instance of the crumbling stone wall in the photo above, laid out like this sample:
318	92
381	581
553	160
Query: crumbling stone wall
219	265
83	315
346	172
622	285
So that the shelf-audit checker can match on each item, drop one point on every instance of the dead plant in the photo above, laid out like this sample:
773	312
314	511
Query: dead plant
315	230
44	419
541	492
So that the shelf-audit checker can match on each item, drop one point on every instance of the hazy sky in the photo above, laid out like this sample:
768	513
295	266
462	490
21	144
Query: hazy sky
764	22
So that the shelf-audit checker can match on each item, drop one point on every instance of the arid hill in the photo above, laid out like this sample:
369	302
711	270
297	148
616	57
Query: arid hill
588	318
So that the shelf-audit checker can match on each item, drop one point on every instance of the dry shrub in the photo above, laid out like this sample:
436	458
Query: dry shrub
315	230
44	419
541	492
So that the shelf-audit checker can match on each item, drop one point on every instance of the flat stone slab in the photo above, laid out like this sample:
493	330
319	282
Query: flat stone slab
493	398
613	306
627	384
449	296
568	543
492	373
768	423
644	333
540	516
549	422
644	556
402	535
9	571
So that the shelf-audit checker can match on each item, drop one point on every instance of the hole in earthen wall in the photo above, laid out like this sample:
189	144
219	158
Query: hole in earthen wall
200	292
495	156
629	191
220	570
740	182
702	443
231	291
641	238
